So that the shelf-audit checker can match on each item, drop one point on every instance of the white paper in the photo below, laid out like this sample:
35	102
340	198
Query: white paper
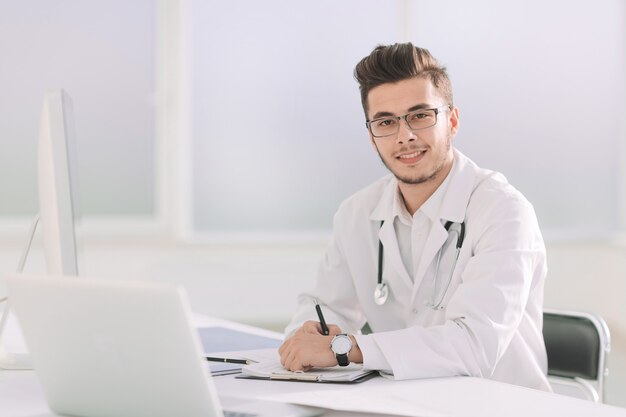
394	400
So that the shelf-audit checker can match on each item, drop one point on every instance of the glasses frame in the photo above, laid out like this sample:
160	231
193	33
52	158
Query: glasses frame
437	110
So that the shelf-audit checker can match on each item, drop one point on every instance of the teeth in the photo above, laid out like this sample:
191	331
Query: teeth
411	155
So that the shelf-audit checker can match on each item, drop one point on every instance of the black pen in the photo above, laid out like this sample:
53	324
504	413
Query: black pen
321	317
228	360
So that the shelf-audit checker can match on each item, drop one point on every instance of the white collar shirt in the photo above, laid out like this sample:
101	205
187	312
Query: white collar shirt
412	231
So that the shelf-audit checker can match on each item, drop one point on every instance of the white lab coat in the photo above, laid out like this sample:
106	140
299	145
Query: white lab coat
491	323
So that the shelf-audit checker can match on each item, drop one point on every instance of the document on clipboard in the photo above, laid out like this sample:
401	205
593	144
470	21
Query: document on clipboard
273	370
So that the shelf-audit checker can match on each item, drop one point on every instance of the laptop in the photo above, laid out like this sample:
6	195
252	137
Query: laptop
118	349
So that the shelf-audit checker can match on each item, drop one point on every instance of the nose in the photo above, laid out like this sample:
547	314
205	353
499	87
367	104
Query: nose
405	134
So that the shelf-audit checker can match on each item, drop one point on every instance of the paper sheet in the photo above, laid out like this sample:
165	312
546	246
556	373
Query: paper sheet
396	400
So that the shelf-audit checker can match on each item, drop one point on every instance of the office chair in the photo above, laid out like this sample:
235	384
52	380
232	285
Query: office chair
577	344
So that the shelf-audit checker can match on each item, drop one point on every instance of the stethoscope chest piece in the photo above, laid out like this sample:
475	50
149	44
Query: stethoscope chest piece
381	293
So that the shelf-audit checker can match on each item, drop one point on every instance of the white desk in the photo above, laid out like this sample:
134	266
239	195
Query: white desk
21	394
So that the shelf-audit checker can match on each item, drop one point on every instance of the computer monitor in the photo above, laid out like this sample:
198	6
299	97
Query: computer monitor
57	184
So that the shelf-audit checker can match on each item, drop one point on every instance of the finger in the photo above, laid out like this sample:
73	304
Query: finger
284	351
284	361
312	327
289	355
284	346
292	363
334	330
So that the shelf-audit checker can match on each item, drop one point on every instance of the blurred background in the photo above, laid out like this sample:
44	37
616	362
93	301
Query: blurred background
217	138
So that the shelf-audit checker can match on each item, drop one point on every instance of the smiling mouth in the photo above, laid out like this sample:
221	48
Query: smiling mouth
412	157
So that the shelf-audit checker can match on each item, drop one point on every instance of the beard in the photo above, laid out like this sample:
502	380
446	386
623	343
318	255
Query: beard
439	165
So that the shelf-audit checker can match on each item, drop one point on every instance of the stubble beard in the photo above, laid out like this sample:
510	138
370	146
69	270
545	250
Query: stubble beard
439	166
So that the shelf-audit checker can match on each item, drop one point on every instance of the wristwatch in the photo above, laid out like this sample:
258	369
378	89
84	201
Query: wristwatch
341	345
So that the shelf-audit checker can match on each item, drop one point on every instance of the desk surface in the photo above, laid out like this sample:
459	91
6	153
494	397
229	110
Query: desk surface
21	394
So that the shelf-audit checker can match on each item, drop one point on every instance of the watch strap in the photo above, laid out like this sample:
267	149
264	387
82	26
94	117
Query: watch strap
342	359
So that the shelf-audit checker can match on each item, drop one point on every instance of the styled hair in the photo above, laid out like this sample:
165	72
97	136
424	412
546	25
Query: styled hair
399	62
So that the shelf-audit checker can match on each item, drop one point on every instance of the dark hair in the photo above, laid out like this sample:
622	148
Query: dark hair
399	62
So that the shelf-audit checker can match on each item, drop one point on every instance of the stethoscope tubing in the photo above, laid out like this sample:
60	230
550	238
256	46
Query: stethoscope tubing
381	291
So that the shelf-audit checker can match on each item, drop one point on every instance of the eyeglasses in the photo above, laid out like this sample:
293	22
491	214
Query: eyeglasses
420	119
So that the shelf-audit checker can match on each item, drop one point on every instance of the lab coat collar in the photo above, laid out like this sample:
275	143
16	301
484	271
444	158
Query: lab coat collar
399	210
384	209
462	179
432	207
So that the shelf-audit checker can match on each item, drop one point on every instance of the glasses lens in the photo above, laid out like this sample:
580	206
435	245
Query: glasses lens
384	127
421	119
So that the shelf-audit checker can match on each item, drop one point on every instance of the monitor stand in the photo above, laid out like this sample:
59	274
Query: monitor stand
10	360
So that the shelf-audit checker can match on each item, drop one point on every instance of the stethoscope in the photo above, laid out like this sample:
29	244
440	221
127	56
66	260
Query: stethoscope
381	292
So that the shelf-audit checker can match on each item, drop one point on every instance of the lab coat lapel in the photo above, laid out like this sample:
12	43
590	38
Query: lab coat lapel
453	207
387	236
459	192
436	238
387	233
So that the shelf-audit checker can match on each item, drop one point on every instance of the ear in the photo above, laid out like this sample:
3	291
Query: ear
453	120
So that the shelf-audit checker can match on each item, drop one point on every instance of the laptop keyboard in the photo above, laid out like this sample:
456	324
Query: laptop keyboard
237	414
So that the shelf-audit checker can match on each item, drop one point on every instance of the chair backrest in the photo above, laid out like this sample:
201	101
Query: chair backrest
577	344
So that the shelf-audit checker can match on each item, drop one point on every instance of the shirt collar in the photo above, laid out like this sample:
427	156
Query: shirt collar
432	207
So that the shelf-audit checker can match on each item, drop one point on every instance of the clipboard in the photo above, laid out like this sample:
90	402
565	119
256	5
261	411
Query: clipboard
273	371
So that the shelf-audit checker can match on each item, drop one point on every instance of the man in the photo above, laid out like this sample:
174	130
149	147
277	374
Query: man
442	259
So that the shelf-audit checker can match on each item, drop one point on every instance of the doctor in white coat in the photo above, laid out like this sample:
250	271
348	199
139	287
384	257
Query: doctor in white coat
442	259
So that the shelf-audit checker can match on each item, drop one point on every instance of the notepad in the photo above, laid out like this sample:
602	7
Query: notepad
274	370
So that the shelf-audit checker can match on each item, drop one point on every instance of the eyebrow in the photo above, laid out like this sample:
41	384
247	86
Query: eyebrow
411	109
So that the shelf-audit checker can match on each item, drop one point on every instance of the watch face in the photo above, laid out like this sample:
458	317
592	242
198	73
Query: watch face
341	344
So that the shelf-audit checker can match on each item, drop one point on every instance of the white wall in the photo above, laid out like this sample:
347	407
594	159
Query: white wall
103	55
277	119
276	112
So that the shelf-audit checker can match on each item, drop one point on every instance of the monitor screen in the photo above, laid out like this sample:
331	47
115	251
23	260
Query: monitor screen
57	183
